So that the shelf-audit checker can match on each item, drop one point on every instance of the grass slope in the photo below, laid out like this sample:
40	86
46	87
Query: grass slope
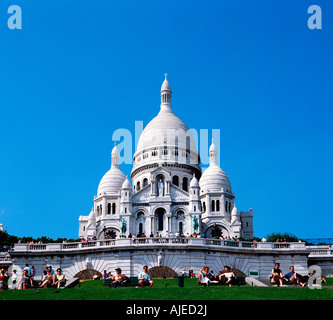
166	289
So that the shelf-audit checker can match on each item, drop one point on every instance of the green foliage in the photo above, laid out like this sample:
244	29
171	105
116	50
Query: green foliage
273	237
9	240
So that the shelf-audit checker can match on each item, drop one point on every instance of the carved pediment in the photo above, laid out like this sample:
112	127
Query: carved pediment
178	194
143	194
162	171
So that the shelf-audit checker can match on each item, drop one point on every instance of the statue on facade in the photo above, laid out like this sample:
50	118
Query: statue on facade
123	226
195	224
160	259
160	188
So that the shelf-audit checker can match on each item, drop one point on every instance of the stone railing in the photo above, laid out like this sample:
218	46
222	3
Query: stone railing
135	242
320	251
5	259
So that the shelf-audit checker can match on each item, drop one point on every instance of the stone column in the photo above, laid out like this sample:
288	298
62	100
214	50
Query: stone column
222	205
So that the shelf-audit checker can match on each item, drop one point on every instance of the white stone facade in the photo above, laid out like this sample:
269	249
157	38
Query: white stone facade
170	194
131	254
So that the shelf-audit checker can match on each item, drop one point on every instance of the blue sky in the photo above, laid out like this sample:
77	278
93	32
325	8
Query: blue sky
79	70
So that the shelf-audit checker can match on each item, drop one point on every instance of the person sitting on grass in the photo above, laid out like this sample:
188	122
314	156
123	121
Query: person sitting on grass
203	275
58	278
294	277
118	278
144	278
25	281
47	280
277	275
2	280
191	274
96	276
228	276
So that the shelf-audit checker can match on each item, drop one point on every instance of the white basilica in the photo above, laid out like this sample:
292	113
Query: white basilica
170	193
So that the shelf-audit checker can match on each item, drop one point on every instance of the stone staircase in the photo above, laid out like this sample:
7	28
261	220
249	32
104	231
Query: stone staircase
267	282
256	282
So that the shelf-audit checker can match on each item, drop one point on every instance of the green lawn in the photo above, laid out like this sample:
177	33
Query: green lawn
166	289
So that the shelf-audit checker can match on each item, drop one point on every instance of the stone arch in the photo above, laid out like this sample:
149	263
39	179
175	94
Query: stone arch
223	227
159	214
162	272
238	273
140	222
141	209
108	230
87	274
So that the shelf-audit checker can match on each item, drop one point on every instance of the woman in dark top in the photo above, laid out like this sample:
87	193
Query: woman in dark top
277	274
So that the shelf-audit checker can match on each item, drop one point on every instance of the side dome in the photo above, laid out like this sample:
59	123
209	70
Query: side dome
194	182
126	184
214	178
112	181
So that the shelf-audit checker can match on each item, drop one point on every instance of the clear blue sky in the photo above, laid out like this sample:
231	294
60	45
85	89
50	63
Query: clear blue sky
79	70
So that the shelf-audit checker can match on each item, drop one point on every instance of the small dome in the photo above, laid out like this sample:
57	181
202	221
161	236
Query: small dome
214	178
194	182
126	184
212	148
115	151
165	85
235	215
234	211
92	215
111	182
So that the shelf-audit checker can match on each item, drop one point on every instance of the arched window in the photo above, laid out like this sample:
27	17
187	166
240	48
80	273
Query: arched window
145	182
229	207
160	218
180	228
175	180
140	228
213	205
217	205
113	208
138	186
204	206
185	184
226	206
109	208
98	211
188	143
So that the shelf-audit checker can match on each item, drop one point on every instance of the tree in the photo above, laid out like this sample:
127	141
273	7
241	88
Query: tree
277	235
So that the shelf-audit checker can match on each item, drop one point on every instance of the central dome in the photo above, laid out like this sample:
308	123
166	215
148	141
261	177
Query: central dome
166	129
166	138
